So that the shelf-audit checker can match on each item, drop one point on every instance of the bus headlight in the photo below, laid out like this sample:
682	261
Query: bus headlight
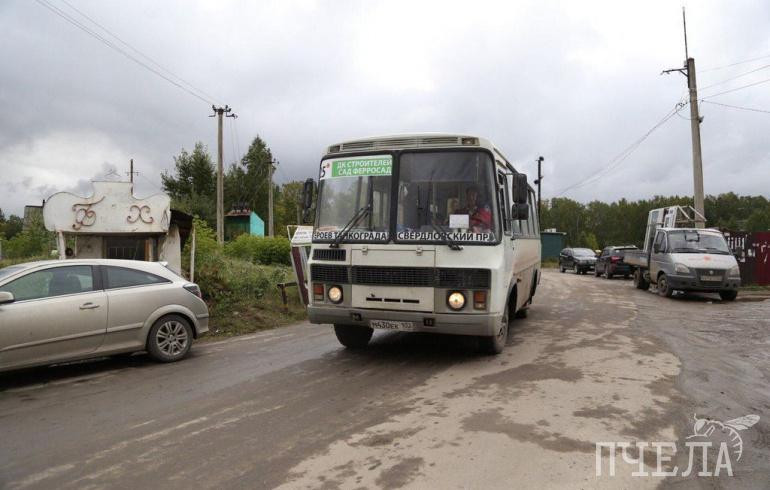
456	300
335	294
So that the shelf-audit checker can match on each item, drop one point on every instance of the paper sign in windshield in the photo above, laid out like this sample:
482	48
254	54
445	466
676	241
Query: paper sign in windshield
369	166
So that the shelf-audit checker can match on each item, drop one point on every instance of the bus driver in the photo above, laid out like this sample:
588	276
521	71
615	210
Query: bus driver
478	211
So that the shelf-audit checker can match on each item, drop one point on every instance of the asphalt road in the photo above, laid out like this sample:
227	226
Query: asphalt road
596	360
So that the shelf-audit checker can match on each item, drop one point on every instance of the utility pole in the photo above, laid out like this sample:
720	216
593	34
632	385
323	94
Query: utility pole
695	120
538	181
270	197
219	112
131	172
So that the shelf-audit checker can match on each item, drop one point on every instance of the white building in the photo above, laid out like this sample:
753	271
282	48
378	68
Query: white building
114	224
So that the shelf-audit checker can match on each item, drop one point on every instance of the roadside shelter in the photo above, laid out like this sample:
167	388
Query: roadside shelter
112	223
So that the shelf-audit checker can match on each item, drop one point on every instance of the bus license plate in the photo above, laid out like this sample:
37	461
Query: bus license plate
392	325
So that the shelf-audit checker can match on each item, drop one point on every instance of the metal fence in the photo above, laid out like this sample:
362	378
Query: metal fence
753	253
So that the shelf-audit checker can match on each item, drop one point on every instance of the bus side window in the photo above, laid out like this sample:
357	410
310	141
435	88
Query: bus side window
534	219
503	201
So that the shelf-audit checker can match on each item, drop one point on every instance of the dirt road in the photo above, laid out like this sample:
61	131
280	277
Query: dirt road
595	361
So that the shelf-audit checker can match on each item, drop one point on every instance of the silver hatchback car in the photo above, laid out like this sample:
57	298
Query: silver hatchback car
56	311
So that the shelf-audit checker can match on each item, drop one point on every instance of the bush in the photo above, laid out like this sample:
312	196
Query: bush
260	250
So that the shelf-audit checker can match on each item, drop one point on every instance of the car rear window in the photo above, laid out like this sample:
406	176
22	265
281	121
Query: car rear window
121	277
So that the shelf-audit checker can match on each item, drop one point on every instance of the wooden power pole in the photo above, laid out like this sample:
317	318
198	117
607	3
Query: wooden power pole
270	213
697	159
219	112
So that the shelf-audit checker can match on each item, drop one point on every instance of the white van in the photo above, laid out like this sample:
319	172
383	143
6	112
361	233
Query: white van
421	233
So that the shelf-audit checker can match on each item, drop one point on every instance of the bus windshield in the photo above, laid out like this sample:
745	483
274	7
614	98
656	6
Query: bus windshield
354	191
446	196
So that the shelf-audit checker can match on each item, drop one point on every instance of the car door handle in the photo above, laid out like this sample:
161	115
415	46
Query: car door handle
88	306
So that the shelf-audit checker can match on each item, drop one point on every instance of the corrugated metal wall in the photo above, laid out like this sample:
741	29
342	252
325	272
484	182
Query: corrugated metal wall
753	253
551	244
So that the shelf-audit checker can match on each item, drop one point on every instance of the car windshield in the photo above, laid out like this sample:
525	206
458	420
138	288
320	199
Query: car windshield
697	242
12	269
347	187
584	252
446	194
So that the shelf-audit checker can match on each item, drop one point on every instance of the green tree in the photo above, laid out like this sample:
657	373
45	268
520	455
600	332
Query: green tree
246	182
759	220
192	186
12	226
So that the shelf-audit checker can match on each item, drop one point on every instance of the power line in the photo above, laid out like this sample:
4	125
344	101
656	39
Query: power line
735	64
735	77
736	107
616	161
135	50
107	42
737	88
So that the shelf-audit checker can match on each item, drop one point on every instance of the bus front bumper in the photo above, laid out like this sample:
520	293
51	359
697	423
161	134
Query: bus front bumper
449	323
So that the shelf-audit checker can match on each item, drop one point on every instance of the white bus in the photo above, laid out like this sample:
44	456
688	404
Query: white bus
421	233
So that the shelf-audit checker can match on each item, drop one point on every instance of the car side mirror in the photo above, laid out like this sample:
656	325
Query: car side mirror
520	211
6	297
308	190
520	189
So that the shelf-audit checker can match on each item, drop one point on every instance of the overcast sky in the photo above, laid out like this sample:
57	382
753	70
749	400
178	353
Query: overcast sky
576	82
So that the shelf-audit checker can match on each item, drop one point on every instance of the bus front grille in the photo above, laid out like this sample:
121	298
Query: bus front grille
463	278
337	254
329	273
394	276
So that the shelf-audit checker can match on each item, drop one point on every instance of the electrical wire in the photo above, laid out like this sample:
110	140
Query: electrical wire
736	107
735	64
733	78
737	88
57	11
616	161
135	50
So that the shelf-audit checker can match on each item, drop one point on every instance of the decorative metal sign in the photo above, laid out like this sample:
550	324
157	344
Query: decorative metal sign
84	215
137	213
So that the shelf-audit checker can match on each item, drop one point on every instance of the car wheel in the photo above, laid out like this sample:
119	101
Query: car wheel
607	273
728	295
639	280
626	276
664	288
353	336
562	268
494	344
575	268
170	339
596	271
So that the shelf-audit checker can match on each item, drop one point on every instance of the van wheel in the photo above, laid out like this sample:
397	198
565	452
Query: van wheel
494	344
639	280
170	339
728	295
353	336
664	288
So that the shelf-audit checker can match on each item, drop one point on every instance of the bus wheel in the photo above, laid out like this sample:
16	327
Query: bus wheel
353	336
494	344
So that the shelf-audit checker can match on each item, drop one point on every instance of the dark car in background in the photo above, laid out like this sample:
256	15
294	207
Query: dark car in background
580	260
611	262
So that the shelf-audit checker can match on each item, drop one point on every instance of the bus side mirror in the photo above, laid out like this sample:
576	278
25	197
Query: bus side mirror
307	198
520	188
520	211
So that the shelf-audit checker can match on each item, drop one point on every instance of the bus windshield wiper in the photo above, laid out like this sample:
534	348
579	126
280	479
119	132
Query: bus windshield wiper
363	211
360	214
450	242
